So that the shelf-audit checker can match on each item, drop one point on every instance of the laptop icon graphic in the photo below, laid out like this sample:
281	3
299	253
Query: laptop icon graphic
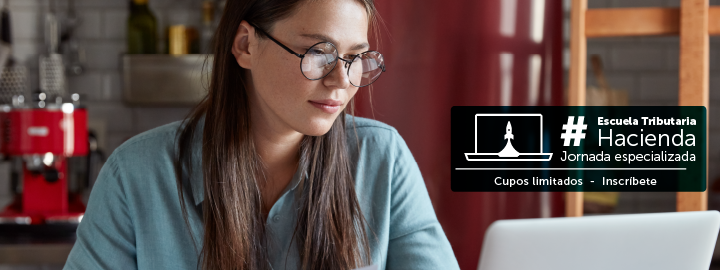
496	140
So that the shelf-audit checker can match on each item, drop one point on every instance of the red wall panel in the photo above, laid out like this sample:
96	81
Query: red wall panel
441	54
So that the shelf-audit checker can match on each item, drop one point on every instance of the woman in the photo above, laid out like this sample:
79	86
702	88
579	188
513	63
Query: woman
269	172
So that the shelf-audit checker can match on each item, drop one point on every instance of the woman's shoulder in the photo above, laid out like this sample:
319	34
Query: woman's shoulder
374	138
366	127
151	144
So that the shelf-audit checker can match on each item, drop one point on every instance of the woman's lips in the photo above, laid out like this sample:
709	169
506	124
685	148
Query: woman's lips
327	105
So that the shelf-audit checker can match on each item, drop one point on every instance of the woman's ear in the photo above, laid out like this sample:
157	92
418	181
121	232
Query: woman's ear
241	44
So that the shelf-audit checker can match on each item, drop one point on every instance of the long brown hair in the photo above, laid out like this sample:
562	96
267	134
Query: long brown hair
330	229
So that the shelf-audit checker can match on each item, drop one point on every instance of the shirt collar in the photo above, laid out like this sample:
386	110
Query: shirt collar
196	178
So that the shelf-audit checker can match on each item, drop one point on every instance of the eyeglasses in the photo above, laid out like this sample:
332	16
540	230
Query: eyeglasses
317	62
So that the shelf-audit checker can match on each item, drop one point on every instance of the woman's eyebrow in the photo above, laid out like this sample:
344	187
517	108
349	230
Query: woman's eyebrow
325	38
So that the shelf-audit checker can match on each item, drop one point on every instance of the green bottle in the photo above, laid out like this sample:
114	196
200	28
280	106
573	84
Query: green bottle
141	29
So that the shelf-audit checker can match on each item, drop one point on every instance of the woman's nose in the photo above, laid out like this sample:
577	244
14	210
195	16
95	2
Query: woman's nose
337	78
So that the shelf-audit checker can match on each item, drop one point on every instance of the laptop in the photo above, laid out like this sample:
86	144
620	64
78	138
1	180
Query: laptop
508	137
678	240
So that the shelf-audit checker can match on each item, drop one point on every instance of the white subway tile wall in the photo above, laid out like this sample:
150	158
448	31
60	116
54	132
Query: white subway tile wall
659	86
640	57
113	24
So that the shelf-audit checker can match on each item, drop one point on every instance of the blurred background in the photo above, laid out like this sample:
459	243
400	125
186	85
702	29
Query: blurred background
130	78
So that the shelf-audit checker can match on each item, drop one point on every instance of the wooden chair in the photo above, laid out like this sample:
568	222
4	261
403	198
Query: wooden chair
694	21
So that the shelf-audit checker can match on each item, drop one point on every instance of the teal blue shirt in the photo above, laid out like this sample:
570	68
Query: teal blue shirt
134	221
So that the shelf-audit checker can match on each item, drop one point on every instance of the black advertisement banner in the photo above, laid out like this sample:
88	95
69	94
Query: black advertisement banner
576	148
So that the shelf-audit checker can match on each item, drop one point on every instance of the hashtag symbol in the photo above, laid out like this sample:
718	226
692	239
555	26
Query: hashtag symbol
573	132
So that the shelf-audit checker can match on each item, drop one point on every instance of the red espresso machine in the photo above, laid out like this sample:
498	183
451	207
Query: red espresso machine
43	136
38	137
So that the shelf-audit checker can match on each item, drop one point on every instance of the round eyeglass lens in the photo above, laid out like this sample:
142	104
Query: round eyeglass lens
366	68
319	60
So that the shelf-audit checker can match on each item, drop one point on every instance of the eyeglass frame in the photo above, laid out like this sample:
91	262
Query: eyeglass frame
347	63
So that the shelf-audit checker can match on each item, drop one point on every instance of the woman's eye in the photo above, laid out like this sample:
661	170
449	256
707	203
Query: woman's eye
315	51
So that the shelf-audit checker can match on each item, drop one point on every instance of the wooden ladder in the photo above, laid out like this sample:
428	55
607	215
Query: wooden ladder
694	21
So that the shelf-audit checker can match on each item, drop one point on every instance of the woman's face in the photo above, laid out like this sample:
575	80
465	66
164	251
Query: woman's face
280	95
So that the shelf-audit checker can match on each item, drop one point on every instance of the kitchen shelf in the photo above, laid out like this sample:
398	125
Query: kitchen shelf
165	80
